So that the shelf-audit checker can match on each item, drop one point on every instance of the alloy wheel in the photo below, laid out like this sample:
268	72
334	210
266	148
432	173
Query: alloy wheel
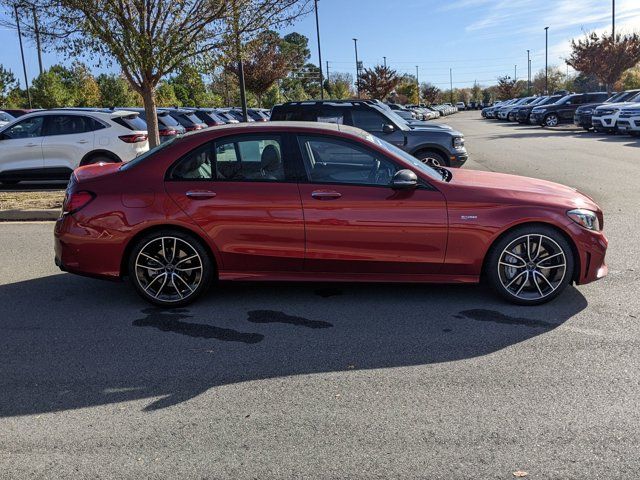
169	269
551	121
532	267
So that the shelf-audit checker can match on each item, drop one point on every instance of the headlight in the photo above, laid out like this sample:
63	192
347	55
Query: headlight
608	111
587	110
539	110
458	142
585	218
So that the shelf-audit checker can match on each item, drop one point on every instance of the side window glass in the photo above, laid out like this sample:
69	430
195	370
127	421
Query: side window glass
338	161
330	115
65	125
27	128
368	120
196	165
250	159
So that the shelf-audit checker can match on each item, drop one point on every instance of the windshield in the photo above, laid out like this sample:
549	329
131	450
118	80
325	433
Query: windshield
393	150
565	99
148	154
635	98
395	118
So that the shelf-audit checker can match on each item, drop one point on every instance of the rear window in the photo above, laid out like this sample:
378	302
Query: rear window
596	97
132	122
167	119
148	154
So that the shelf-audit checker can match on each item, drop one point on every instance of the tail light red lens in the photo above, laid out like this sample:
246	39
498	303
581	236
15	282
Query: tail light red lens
76	201
167	132
134	138
193	128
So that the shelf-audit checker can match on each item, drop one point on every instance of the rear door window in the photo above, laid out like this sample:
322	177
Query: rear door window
67	125
368	120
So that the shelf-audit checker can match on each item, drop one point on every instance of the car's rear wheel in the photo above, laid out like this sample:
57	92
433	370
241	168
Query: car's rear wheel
530	265
551	120
170	268
432	158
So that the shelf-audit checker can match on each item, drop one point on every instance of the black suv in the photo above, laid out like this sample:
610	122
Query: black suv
436	146
562	111
522	113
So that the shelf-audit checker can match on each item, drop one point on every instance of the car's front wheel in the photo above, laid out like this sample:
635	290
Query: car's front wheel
530	265
432	158
170	268
551	120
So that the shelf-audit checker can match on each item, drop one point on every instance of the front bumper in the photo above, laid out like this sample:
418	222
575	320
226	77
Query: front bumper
583	120
631	124
591	248
458	158
604	123
537	118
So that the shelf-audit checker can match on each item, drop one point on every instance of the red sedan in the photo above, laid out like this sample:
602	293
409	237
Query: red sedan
320	202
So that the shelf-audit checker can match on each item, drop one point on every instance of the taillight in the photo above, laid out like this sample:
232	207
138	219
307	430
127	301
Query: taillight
192	128
134	138
167	132
76	201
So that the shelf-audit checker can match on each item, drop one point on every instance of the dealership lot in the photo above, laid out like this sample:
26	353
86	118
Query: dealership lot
380	381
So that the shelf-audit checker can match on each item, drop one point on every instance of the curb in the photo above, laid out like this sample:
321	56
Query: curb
29	215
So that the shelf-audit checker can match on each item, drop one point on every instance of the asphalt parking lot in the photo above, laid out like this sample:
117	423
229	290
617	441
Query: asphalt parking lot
334	381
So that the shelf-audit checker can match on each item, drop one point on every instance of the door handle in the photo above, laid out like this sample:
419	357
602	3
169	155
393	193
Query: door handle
32	144
82	141
200	194
325	195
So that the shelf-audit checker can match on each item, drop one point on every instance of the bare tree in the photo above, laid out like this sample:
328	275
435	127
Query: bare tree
149	39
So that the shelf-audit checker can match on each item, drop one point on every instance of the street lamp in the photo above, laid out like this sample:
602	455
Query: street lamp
418	84
355	44
24	65
319	52
546	60
528	74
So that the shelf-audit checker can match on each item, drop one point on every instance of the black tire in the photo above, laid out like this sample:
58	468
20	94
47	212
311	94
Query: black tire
10	182
138	275
493	273
551	120
431	157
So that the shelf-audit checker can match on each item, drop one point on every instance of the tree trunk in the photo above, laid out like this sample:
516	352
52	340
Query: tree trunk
151	113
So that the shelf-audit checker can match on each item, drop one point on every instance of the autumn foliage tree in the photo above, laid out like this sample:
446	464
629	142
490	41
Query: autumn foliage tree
266	60
430	93
506	87
605	57
378	82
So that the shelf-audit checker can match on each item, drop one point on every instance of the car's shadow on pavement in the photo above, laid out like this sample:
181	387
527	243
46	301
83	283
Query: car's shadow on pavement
69	342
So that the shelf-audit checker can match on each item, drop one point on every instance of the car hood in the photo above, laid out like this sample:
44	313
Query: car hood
419	125
516	189
616	105
593	105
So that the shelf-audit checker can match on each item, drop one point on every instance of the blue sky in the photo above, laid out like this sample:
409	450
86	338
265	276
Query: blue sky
478	39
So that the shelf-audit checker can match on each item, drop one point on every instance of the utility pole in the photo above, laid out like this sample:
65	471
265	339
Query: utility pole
355	43
238	46
24	65
328	77
319	52
613	20
451	83
515	73
546	60
418	83
385	62
36	30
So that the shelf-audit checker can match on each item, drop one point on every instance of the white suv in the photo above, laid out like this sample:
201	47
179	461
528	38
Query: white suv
629	119
605	117
50	144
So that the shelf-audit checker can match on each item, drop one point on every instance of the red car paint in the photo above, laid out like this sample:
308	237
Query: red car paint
304	231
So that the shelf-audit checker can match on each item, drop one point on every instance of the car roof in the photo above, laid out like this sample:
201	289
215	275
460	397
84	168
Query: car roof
100	113
248	127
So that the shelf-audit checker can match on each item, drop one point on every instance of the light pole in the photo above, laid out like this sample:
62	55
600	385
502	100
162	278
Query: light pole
546	60
613	20
528	74
319	52
418	84
355	44
515	73
385	62
451	84
36	30
24	65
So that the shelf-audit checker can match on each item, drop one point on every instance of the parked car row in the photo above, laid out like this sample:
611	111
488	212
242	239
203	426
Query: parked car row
599	111
50	144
